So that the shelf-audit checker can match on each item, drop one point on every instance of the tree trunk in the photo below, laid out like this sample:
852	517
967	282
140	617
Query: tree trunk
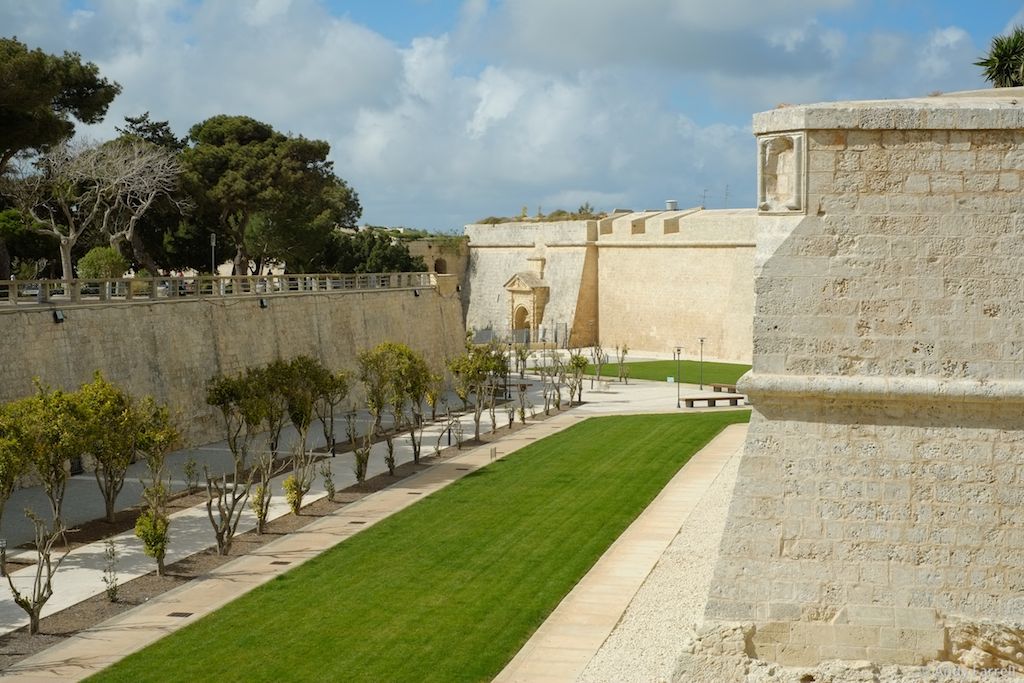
5	261
33	620
109	503
240	262
141	255
160	570
65	260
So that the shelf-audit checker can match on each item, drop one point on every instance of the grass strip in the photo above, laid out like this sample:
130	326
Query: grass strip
450	588
689	371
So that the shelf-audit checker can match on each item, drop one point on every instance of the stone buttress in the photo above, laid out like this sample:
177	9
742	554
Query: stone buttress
879	510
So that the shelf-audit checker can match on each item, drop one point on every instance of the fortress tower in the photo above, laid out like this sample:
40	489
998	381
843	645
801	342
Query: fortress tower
879	511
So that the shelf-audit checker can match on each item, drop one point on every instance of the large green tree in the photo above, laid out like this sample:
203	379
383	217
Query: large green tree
40	94
300	229
259	190
23	251
368	251
1004	64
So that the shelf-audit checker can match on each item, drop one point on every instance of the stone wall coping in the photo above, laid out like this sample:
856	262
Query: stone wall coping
994	108
530	246
924	389
662	243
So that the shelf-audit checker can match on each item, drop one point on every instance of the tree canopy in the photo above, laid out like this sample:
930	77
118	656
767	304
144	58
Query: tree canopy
265	193
40	94
367	251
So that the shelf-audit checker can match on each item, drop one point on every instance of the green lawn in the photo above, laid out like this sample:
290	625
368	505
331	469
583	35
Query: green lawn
689	371
450	588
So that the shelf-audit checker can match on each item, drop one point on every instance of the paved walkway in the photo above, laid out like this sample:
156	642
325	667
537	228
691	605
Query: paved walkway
566	642
81	576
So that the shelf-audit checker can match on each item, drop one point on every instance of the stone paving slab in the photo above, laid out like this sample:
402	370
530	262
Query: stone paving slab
570	637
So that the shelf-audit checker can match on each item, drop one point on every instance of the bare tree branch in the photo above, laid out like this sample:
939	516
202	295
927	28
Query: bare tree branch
77	185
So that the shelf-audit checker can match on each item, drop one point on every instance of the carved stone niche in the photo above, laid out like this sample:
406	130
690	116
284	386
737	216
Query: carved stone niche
781	173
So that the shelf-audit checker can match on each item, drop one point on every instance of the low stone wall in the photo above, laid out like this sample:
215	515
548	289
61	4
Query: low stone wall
170	349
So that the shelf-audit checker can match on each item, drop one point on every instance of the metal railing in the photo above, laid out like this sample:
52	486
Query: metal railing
171	287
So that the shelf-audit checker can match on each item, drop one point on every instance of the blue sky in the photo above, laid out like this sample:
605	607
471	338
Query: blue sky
441	113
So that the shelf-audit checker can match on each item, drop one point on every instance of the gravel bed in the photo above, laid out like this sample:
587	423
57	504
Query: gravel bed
645	644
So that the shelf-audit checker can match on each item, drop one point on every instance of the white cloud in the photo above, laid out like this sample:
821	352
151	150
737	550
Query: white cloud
264	11
513	136
498	95
723	37
946	49
529	102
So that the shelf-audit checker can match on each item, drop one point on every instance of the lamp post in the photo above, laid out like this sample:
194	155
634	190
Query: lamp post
677	354
508	373
702	363
213	253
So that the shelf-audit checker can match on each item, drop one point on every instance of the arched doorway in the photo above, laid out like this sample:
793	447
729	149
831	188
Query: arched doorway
440	266
521	321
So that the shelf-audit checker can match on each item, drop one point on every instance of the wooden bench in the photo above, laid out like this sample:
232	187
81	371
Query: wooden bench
712	401
729	388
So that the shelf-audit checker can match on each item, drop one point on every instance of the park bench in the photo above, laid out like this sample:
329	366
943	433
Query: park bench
712	401
729	388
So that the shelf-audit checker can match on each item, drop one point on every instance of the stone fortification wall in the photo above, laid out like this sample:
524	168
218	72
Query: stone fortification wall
170	349
652	280
497	252
667	279
880	505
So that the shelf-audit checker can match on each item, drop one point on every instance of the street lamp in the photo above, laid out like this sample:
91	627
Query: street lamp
677	354
508	373
702	363
213	253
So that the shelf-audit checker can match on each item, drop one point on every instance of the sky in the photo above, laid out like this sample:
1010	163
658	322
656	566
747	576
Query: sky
440	113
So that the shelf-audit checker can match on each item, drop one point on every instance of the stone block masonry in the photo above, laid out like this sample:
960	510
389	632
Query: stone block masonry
879	505
651	280
170	349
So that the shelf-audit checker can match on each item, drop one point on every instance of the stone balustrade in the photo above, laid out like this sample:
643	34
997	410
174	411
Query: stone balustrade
171	288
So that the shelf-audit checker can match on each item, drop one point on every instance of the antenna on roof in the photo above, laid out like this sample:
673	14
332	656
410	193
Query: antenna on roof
703	197
726	201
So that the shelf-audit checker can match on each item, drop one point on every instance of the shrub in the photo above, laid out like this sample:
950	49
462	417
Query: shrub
258	503
110	569
102	262
328	477
152	530
293	493
191	472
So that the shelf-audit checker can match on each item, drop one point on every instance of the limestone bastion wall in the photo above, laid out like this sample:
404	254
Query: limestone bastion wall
676	277
880	500
170	349
497	252
652	280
